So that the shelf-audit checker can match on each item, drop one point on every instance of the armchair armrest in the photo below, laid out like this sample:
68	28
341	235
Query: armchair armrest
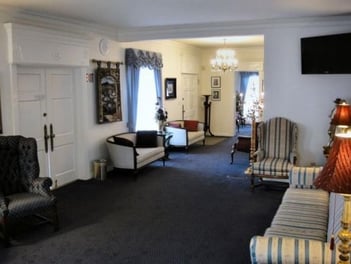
303	177
271	250
179	136
3	205
122	155
293	157
41	186
258	155
200	126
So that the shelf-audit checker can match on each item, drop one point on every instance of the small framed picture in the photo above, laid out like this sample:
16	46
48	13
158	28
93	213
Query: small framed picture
215	82
170	88
216	94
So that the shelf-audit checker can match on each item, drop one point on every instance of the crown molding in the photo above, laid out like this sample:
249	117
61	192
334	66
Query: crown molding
226	28
89	29
72	26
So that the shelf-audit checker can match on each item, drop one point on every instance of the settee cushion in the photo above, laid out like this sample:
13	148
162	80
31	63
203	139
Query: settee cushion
122	141
272	166
146	139
191	125
302	214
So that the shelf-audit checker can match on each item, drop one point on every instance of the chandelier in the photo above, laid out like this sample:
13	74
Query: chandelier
225	60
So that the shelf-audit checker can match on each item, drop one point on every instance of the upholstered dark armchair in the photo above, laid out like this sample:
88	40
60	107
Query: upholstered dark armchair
22	192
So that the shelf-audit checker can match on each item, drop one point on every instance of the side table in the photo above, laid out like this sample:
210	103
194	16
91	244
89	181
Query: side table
166	138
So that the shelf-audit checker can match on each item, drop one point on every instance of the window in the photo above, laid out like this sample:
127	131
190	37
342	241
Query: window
147	100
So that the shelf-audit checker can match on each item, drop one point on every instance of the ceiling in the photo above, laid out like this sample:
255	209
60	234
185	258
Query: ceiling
131	14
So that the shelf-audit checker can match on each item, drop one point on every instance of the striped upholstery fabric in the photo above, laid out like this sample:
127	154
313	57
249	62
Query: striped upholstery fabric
272	166
302	227
315	197
303	214
303	177
336	205
290	250
276	151
277	138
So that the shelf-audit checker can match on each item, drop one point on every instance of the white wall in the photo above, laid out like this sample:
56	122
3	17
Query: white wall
96	134
305	99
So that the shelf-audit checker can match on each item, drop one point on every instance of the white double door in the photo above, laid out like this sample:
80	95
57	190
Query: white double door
46	112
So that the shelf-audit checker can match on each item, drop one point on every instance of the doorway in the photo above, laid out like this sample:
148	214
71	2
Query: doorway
46	112
249	101
190	96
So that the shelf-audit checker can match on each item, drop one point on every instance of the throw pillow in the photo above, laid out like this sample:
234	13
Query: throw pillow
122	141
146	139
174	124
191	125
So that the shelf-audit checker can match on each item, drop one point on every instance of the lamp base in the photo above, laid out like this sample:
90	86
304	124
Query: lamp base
345	234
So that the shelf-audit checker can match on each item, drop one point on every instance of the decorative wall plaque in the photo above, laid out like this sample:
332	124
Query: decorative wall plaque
108	93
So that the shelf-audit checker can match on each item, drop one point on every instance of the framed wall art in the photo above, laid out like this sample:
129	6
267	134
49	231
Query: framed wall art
216	94
108	93
170	88
215	82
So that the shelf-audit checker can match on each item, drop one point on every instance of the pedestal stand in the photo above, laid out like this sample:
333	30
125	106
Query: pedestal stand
207	120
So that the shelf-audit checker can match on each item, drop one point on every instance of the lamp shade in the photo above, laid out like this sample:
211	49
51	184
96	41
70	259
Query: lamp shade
342	115
336	173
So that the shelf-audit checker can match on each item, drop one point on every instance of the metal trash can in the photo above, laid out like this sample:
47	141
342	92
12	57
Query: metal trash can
100	169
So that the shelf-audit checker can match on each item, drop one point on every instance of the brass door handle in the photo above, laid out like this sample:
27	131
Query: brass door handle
52	136
46	137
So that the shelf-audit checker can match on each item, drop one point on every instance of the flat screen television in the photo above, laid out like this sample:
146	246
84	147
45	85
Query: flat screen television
330	54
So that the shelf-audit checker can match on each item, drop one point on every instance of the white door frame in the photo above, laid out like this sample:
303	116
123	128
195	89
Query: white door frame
13	110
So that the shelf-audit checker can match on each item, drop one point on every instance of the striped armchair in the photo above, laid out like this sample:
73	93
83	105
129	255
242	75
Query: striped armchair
276	151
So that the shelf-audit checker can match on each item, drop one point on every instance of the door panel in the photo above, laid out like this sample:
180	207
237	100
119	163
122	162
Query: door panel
190	92
60	103
30	123
32	110
30	84
46	100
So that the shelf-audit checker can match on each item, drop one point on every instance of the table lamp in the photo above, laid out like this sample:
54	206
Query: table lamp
336	175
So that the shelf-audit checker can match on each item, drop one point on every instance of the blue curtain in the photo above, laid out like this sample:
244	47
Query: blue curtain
135	59
158	83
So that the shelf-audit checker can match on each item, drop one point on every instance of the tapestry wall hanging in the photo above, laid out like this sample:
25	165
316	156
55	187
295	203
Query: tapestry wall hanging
108	88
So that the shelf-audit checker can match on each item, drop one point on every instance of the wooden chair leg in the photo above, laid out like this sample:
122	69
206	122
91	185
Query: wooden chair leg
233	152
252	185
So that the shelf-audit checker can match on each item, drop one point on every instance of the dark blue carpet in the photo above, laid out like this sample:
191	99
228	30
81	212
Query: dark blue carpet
197	209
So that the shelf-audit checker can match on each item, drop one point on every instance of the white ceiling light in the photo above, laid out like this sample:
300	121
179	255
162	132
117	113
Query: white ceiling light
225	60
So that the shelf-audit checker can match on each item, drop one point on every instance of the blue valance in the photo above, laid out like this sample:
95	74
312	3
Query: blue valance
142	58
